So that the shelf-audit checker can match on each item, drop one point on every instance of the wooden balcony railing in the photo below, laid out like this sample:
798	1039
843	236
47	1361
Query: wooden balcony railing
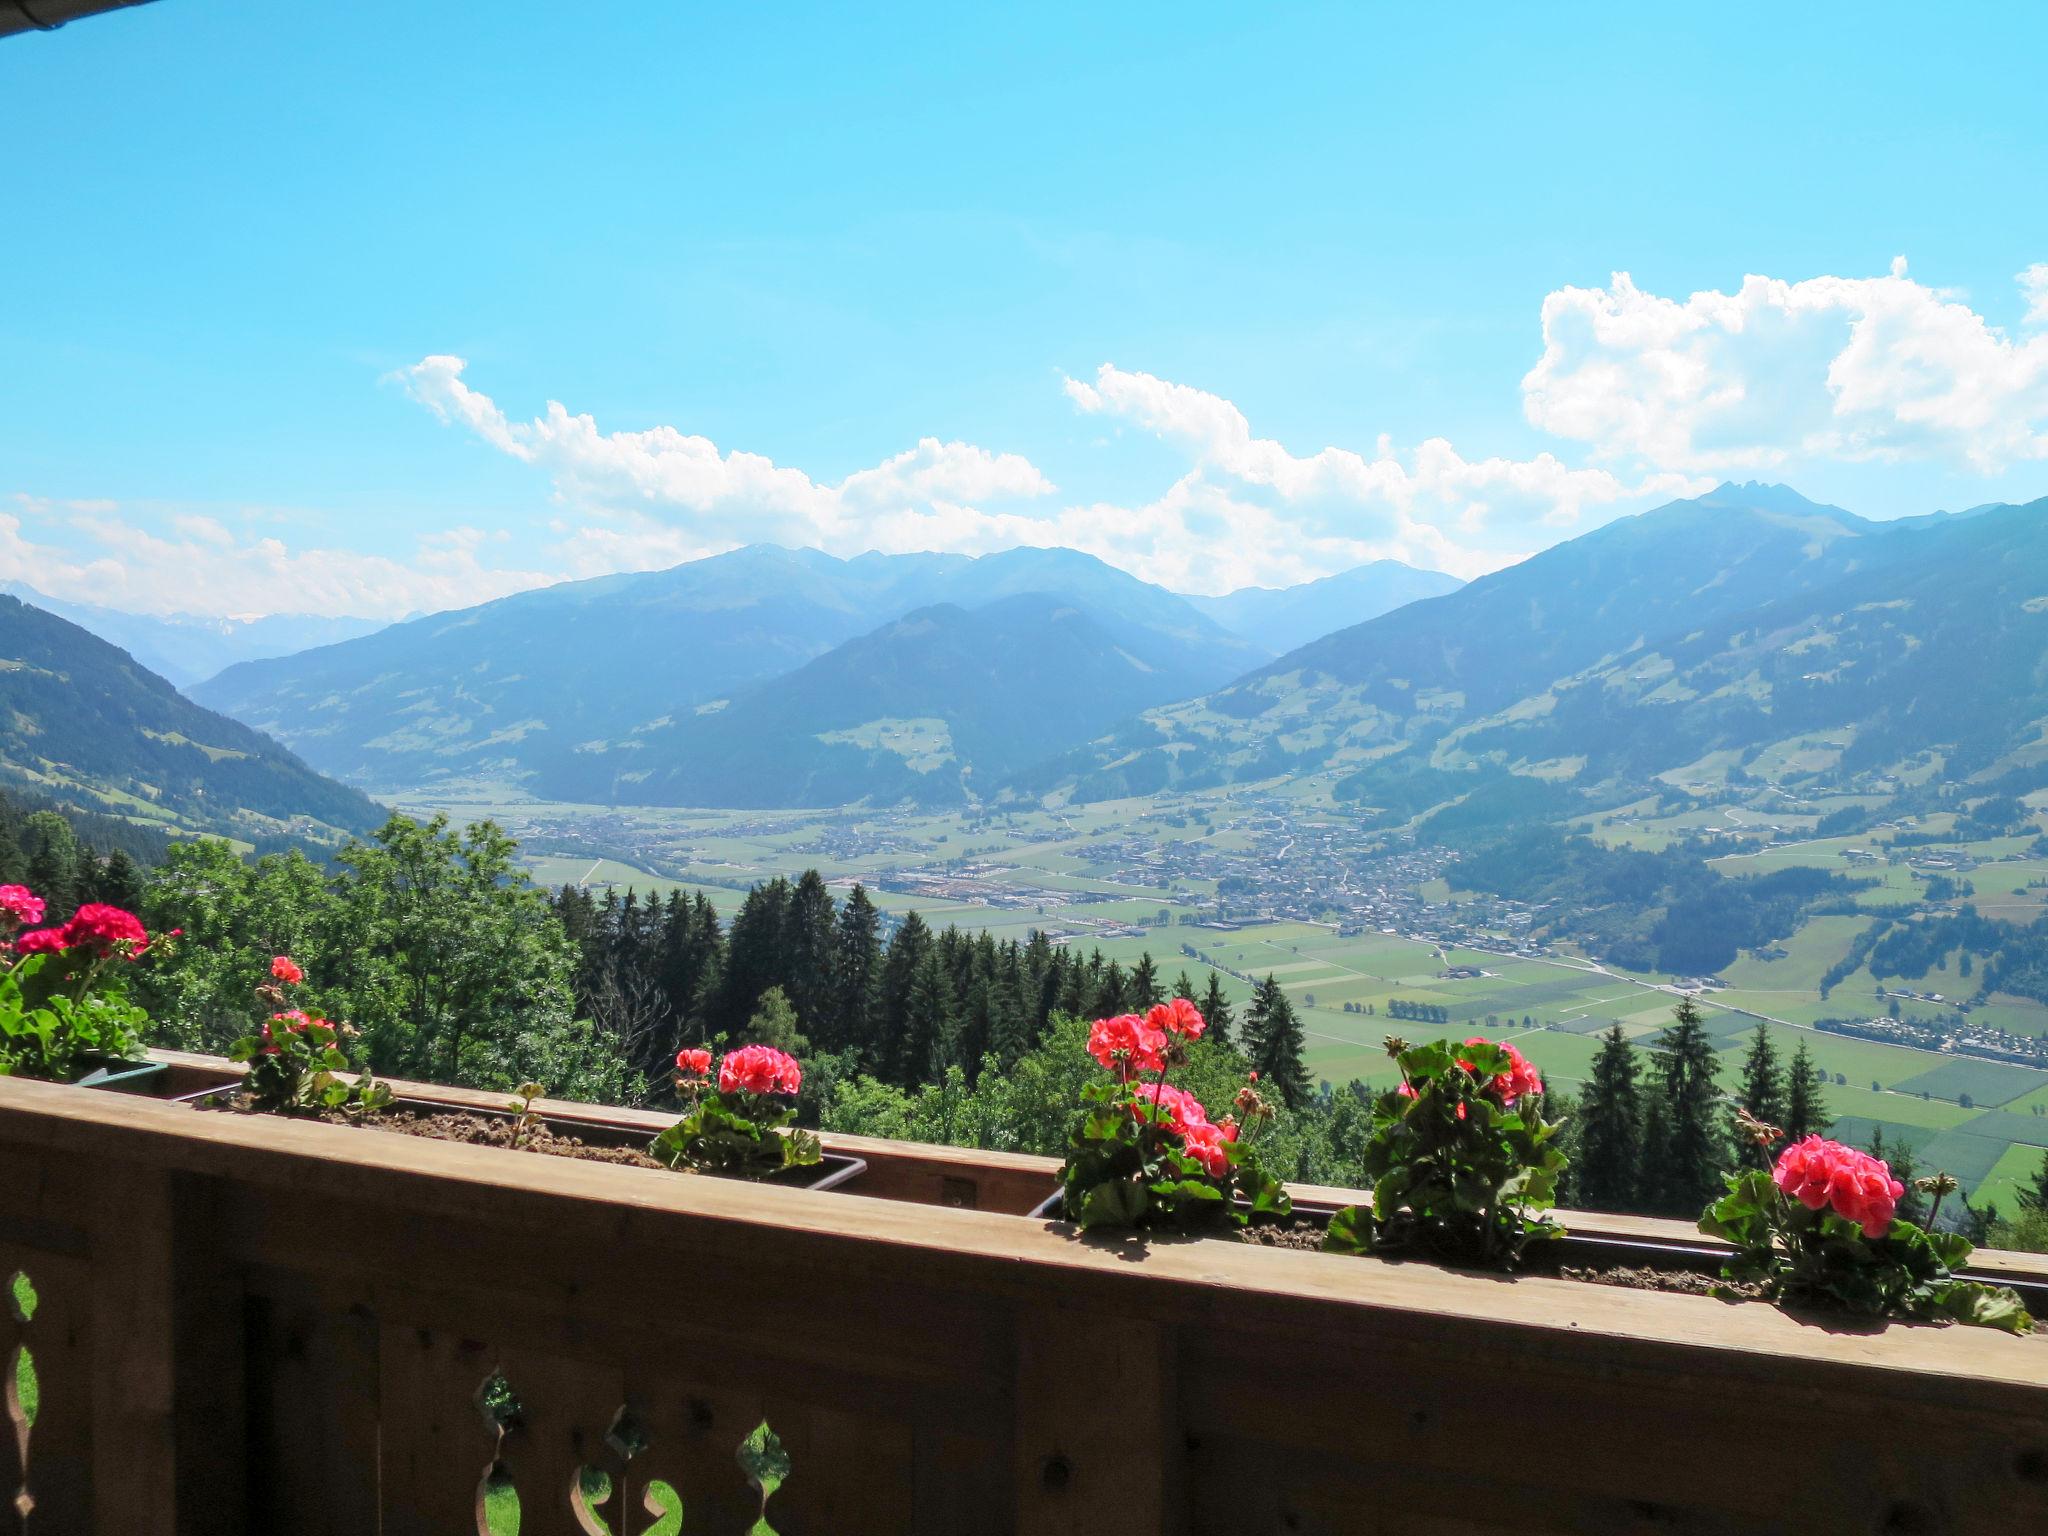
248	1325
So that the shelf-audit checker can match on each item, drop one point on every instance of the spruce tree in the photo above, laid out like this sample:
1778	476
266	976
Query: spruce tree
1216	1009
1112	992
1184	989
1806	1111
857	974
53	865
754	958
120	882
930	1027
1762	1093
1608	1169
2034	1196
1691	1163
809	953
1276	1051
1143	989
775	1022
908	950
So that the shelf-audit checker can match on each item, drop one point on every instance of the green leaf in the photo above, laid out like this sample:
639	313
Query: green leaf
765	1462
1350	1231
21	1297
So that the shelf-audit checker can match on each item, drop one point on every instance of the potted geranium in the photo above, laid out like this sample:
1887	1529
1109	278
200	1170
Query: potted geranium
1822	1230
1461	1159
297	1063
65	1016
1144	1152
743	1127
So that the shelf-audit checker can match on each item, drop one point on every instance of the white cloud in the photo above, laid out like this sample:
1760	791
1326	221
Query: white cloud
1247	510
1248	501
729	498
1830	367
204	569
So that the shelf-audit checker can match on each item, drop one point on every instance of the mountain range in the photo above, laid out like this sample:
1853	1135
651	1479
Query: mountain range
1282	618
604	689
185	648
1705	638
83	723
1746	631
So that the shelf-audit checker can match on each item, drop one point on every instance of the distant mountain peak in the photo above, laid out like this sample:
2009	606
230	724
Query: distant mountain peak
1770	496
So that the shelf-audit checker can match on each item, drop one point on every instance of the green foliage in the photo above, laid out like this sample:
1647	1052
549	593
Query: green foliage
1456	1176
297	1067
59	1014
1810	1258
1126	1167
767	1467
736	1135
432	942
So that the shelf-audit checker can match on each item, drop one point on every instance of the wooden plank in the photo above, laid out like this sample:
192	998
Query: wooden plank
1096	1418
313	1391
135	1483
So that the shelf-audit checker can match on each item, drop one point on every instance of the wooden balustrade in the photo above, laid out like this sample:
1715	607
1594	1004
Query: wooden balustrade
248	1325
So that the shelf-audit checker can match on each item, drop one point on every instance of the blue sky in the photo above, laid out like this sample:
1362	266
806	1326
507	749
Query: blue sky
1224	294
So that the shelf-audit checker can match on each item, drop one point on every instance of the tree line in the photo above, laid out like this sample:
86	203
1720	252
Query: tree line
799	963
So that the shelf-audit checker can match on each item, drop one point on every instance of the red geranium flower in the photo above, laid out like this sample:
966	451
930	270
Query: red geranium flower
694	1063
1127	1045
1817	1172
21	904
285	969
1178	1017
106	930
43	941
1519	1079
759	1069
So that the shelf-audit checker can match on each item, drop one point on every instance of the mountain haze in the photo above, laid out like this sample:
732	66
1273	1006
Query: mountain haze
185	648
1282	618
540	686
928	708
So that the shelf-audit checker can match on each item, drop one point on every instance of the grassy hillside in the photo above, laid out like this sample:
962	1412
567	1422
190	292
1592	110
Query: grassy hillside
86	724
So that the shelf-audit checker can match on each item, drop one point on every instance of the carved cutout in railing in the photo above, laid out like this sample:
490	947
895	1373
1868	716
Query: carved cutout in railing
24	1388
497	1499
593	1489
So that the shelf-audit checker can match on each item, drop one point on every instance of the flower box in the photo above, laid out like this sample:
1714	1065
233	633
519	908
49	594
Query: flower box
831	1172
122	1076
275	1324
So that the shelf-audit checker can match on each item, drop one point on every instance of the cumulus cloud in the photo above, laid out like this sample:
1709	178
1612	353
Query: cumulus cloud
730	498
1338	507
1829	367
90	552
1245	510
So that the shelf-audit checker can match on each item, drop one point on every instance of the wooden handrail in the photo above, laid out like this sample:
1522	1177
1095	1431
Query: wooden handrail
258	1325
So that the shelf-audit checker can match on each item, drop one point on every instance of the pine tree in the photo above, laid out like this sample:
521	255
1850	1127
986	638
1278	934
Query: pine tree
120	882
2034	1196
809	953
53	864
857	974
1762	1093
1690	1163
930	1028
908	949
1276	1047
754	959
775	1022
1113	992
1216	1009
1806	1111
1609	1166
1143	989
